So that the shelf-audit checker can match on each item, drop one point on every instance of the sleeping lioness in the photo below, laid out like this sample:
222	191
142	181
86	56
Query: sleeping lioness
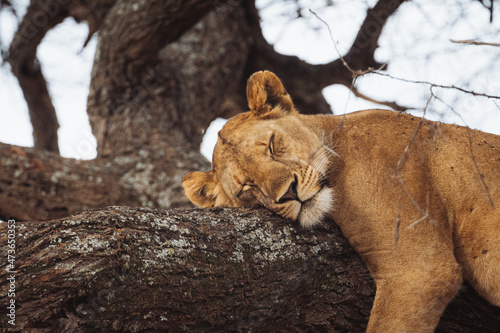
418	200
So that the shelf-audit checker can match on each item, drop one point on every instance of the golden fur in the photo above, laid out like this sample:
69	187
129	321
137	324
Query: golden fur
407	193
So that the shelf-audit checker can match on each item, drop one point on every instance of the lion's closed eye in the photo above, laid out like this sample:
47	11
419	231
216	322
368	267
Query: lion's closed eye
276	147
271	145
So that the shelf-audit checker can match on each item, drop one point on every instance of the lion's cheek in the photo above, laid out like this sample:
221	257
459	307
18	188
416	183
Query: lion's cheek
315	209
310	213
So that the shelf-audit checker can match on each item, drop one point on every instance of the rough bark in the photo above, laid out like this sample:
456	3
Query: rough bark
37	185
130	270
157	83
135	101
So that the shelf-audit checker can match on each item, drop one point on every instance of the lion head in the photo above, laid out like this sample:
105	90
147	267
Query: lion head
268	156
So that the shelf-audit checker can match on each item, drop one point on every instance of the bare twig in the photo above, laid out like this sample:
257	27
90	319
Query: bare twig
355	73
481	176
396	228
399	167
473	42
359	73
414	223
497	105
346	65
434	85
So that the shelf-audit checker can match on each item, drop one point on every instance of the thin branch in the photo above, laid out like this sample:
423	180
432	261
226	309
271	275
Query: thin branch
398	225
359	73
306	80
355	72
346	65
434	85
399	167
473	42
481	176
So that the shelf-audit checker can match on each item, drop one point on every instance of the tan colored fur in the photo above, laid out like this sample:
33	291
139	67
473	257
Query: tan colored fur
421	229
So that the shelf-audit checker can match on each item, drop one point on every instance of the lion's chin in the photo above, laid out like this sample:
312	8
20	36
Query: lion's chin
313	211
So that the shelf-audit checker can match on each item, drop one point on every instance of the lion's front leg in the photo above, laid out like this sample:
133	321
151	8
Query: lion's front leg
413	300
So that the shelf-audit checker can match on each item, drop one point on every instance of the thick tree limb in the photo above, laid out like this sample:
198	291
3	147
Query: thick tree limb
22	57
124	269
40	17
37	185
361	56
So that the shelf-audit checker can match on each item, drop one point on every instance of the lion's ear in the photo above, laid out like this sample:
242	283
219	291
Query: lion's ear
265	91
200	188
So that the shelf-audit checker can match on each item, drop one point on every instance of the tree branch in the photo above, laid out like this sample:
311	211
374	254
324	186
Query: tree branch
362	52
22	58
124	269
149	143
129	46
37	185
41	16
473	42
435	85
392	105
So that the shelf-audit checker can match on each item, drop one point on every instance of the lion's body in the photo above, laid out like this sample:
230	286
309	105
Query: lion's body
420	267
418	200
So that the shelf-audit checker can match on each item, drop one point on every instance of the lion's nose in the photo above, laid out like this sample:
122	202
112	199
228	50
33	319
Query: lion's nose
291	193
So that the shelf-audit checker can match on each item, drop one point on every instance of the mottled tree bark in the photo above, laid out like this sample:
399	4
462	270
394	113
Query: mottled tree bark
130	270
36	185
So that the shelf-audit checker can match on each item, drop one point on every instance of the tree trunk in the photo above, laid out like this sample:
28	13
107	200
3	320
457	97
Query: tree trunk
129	270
